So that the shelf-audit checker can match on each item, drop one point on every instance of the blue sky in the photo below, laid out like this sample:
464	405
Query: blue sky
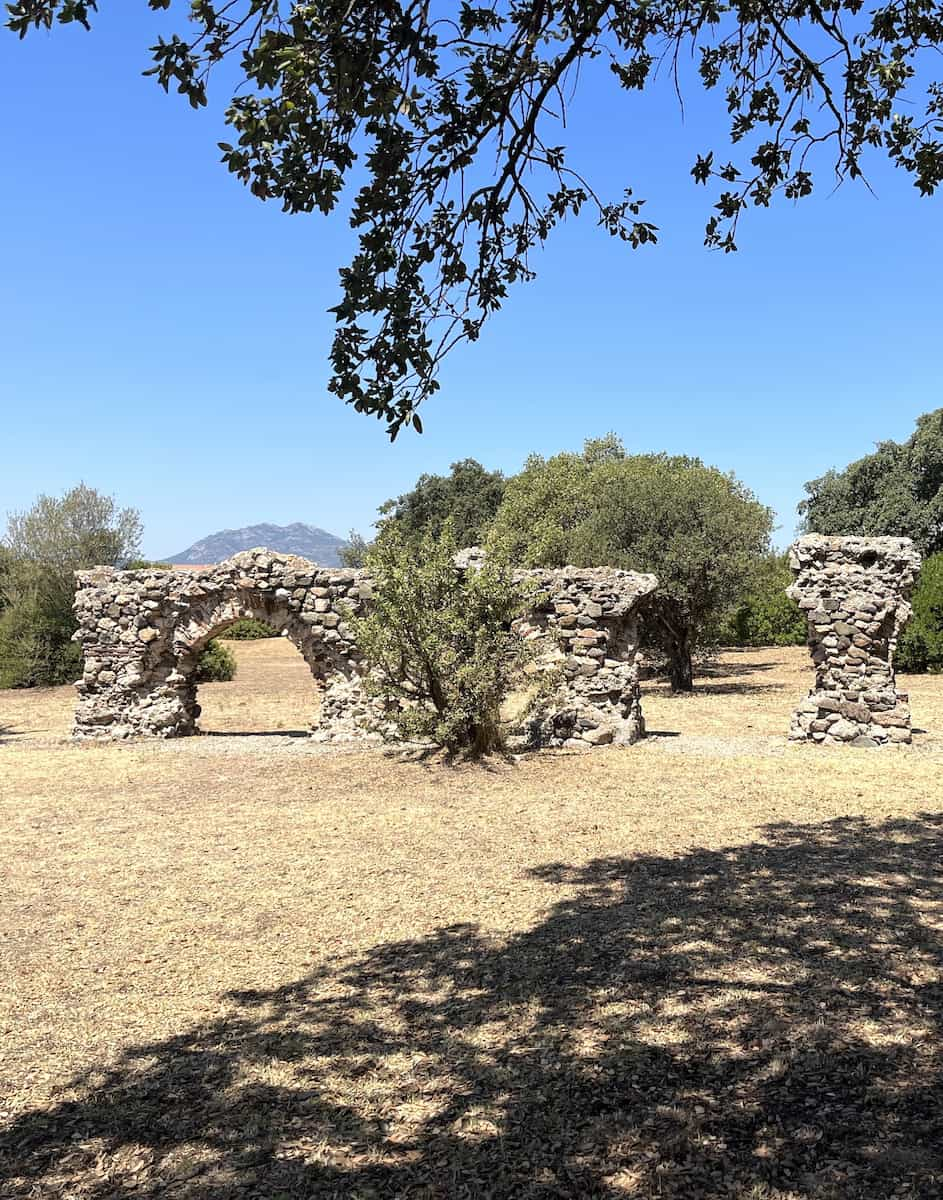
163	334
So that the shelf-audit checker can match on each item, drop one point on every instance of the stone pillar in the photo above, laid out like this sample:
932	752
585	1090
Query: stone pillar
347	713
855	594
590	619
130	682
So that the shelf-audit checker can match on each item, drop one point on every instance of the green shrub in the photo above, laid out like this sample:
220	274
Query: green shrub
216	664
354	551
249	630
146	564
439	644
920	648
36	649
766	616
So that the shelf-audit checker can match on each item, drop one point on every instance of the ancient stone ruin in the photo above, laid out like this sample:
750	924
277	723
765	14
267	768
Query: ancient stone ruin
855	593
142	633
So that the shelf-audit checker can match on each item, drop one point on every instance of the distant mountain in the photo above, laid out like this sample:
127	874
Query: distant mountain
307	541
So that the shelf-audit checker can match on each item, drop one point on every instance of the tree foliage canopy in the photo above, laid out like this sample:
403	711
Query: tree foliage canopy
765	615
702	532
42	549
921	644
468	497
896	491
440	126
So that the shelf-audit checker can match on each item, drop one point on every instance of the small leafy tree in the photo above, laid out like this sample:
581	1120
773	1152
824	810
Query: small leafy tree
354	551
439	643
44	547
468	496
921	645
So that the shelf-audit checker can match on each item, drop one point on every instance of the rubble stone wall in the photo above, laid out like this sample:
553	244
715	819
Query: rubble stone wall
855	592
142	632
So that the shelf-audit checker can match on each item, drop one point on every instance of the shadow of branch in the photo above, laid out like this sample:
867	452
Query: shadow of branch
756	1021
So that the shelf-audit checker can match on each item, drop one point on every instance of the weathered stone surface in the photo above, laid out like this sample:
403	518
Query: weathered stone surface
855	593
140	661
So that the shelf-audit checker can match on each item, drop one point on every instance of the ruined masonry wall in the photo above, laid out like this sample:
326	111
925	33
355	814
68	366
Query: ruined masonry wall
855	592
141	633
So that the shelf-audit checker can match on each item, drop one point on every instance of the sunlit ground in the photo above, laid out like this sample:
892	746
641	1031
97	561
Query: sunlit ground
708	965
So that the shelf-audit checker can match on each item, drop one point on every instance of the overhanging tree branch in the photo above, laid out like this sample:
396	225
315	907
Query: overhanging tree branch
437	128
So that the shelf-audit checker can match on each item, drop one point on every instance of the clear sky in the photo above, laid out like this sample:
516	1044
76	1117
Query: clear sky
163	334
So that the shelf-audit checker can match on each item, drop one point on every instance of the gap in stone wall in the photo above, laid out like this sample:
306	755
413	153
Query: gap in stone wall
274	692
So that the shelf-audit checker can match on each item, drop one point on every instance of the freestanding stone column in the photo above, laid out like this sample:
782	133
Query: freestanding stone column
588	618
855	592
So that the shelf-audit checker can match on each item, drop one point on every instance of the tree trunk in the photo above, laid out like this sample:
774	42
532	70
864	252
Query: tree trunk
680	665
669	630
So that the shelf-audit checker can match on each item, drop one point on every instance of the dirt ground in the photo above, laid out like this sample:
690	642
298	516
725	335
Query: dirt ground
705	966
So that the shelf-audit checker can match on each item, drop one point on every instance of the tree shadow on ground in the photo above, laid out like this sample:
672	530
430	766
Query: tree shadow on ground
759	1021
735	689
716	668
242	733
701	688
707	676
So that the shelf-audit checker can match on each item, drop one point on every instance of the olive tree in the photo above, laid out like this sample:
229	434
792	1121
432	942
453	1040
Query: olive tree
439	642
44	546
439	129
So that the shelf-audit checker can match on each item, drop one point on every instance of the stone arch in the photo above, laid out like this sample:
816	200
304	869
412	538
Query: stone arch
141	633
192	635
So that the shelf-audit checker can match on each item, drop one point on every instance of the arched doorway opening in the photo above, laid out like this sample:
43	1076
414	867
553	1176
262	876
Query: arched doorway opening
273	691
278	682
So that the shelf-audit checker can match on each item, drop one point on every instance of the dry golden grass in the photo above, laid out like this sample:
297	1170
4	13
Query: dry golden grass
273	691
705	966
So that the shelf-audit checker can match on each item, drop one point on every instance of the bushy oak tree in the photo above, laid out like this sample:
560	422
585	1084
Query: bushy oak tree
702	532
468	497
921	644
765	615
441	128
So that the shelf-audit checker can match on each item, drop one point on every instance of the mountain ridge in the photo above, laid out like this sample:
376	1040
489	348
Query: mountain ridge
307	541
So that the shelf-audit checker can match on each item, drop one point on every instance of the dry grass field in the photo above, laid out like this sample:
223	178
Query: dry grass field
238	966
